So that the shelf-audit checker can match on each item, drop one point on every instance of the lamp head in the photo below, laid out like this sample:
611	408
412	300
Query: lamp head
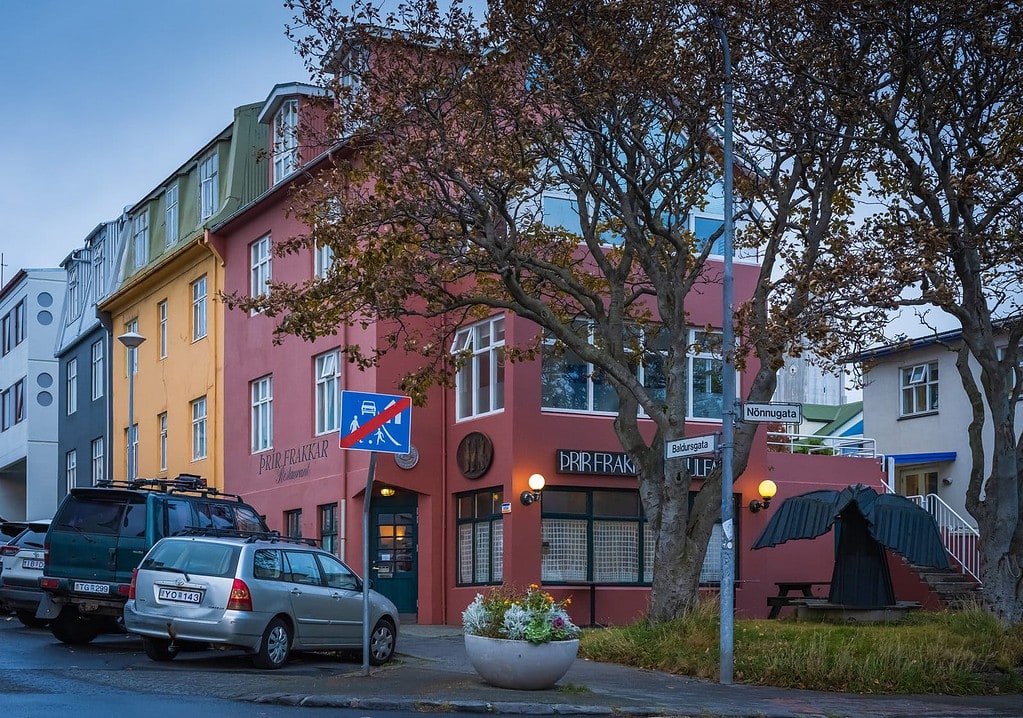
536	484
767	490
131	339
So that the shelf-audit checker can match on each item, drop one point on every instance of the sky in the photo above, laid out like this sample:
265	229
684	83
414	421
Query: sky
103	99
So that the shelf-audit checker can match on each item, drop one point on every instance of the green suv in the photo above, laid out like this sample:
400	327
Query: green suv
100	534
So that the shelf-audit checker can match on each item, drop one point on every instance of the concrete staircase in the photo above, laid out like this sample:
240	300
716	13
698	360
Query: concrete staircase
955	589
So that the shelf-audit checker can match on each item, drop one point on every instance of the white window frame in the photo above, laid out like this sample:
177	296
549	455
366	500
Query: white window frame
131	354
99	466
97	355
285	128
161	310
323	258
171	215
199	447
71	385
482	344
140	237
71	469
161	422
262	394
131	436
74	309
327	375
918	389
260	266
199	310
209	189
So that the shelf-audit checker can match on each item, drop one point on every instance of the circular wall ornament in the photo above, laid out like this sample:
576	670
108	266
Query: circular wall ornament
44	398
407	461
44	380
44	318
44	299
475	454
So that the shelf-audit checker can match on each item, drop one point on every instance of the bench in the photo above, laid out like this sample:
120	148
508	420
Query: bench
803	589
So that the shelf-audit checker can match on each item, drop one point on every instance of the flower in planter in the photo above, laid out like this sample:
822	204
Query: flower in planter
535	617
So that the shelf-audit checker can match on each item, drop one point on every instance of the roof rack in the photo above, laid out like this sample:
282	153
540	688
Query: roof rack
249	536
180	484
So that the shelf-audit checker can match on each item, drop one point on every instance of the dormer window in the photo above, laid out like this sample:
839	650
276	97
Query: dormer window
285	150
208	188
140	235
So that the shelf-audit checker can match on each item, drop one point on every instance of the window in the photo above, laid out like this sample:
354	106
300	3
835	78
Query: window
480	534
285	140
259	252
73	298
705	373
262	414
328	527
99	267
13	327
601	535
98	371
568	383
71	469
99	472
140	237
293	523
199	429
171	214
131	439
323	258
161	310
161	422
20	322
208	188
327	392
479	383
71	386
132	353
199	308
919	386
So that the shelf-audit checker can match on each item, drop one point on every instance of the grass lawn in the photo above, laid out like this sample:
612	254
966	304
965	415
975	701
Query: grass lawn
960	653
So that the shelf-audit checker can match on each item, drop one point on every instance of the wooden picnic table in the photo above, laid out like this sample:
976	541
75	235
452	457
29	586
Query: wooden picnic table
802	589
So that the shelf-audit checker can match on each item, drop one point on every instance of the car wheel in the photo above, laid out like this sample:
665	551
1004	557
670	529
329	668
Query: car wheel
159	649
28	618
382	642
73	628
275	645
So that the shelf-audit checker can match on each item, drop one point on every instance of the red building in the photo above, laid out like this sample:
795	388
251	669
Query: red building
448	519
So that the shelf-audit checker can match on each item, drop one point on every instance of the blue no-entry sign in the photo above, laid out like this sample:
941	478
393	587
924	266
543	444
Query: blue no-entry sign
376	422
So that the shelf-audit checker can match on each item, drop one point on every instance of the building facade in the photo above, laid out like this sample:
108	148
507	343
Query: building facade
84	349
31	304
169	282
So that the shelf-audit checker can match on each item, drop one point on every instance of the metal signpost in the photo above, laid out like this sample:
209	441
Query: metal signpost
373	422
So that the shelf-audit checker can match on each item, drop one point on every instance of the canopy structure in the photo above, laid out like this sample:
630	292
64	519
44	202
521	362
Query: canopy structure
867	524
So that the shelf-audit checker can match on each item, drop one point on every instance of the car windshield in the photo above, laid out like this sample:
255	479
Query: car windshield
193	557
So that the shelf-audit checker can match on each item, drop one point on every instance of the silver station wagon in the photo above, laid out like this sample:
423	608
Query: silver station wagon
264	594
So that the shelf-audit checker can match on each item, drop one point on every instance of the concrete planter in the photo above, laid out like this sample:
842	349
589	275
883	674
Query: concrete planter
520	664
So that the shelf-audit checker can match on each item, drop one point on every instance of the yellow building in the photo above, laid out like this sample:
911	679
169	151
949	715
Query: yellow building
171	278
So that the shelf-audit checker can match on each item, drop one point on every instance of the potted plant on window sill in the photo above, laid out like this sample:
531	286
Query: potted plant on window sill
520	641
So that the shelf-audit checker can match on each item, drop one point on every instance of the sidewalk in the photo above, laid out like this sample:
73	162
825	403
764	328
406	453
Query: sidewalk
430	674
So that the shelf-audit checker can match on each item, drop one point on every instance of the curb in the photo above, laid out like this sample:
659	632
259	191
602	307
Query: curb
450	706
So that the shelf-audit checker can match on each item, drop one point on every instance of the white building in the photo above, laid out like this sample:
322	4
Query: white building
31	307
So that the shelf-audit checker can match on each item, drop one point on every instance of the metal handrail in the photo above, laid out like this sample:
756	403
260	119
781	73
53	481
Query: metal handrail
961	539
822	445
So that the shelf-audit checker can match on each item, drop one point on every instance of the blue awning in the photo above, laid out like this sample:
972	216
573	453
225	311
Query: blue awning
925	458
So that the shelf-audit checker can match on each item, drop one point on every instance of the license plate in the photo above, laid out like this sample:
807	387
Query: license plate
83	587
34	563
179	595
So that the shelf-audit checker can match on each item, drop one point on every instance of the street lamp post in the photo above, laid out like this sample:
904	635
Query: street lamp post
131	340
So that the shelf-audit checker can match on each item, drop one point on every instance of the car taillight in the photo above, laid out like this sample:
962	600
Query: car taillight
50	583
241	599
131	588
8	550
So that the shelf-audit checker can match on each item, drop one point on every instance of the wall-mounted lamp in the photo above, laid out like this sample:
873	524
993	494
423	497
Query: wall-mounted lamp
387	491
767	491
536	484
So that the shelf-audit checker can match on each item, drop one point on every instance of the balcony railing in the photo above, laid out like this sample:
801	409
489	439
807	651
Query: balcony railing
822	445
